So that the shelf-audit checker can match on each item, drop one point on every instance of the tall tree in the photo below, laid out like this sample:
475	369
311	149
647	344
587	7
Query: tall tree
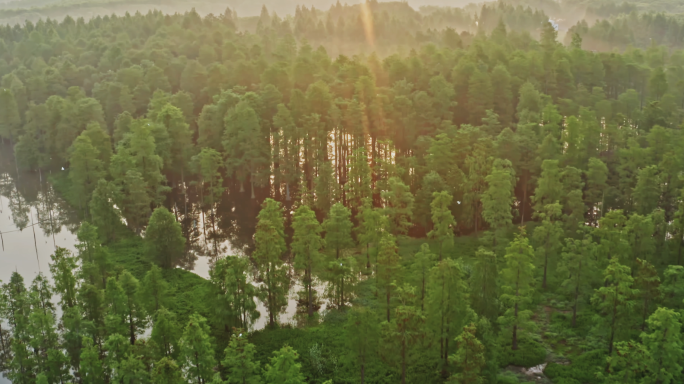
164	238
577	263
423	262
517	286
497	200
388	267
443	221
270	245
338	227
484	287
615	299
447	304
362	337
665	345
197	351
86	168
399	206
548	236
239	360
284	368
469	357
306	246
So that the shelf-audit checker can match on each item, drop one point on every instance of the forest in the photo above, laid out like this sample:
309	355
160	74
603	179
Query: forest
450	197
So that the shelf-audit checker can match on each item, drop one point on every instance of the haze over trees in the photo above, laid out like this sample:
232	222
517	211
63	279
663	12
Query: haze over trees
460	193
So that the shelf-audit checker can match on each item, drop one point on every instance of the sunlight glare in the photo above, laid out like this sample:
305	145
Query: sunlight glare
367	19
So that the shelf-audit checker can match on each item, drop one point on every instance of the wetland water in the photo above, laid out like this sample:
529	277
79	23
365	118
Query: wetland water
34	220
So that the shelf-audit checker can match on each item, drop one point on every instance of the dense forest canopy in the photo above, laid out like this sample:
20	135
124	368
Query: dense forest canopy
468	194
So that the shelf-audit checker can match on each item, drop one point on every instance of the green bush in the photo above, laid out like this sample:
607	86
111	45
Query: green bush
528	354
507	378
582	369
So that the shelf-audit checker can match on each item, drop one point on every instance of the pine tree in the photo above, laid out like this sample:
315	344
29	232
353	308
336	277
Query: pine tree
306	246
325	187
167	371
239	360
517	286
399	206
164	238
270	245
443	221
548	236
615	299
135	312
283	367
197	351
484	287
578	263
154	291
105	216
470	357
91	370
338	227
447	304
362	337
423	262
367	231
497	200
388	266
63	269
665	346
358	187
86	168
648	283
403	335
165	333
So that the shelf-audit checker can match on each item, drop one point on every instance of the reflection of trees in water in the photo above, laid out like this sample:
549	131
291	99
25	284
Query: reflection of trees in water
20	209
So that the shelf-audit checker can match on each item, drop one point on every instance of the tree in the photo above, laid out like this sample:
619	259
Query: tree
10	118
498	199
239	360
665	346
270	245
165	333
63	268
548	235
615	299
166	371
362	337
370	220
86	168
338	227
208	164
197	351
469	357
154	290
105	216
484	288
577	263
672	289
549	189
246	152
627	365
91	370
443	221
403	334
136	317
283	367
447	304
388	266
231	294
423	262
325	187
517	286
399	206
164	238
306	246
647	192
648	283
358	185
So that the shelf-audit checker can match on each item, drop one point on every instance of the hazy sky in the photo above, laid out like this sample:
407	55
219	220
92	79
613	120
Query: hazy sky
284	7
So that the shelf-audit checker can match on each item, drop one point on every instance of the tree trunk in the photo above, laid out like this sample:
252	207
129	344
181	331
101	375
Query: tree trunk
546	264
363	372
308	272
368	256
522	203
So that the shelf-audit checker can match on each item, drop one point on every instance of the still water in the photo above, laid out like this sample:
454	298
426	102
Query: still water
34	220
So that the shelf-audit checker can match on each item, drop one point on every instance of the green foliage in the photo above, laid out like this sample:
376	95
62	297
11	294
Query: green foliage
283	368
164	238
